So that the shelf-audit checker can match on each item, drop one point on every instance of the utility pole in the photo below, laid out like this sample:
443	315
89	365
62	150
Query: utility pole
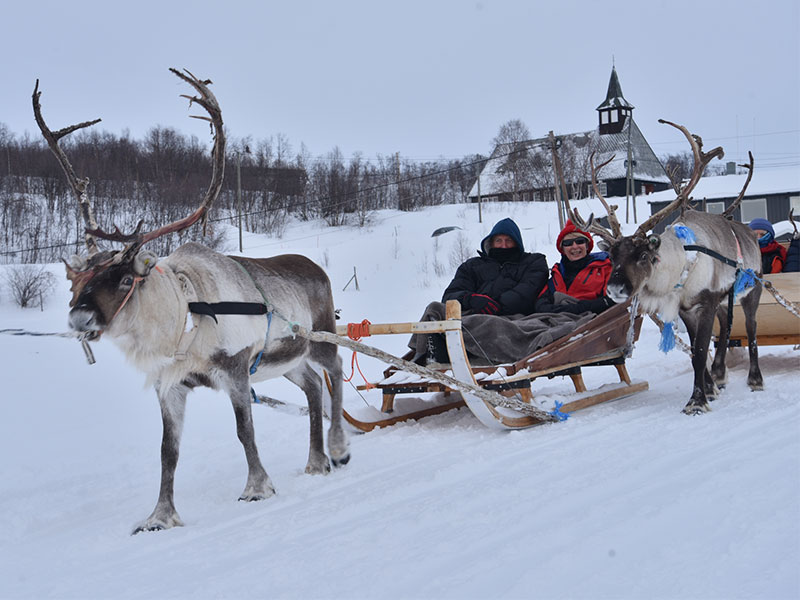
397	179
559	177
480	216
239	194
629	176
239	189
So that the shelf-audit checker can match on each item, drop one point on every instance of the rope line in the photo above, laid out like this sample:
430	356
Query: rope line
355	331
74	334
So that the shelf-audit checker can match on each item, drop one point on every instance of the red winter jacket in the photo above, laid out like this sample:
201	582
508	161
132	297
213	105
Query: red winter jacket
589	283
773	257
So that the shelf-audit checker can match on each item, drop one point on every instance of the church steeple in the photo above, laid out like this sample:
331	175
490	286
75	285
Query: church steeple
615	109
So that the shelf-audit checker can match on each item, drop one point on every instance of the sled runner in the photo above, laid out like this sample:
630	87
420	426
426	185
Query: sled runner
499	396
776	323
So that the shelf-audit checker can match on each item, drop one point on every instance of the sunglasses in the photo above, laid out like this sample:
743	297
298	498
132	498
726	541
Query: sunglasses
581	241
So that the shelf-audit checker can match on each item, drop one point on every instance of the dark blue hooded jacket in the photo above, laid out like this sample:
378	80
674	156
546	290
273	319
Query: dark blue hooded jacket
512	279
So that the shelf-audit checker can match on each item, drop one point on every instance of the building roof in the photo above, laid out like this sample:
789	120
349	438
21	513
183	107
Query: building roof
764	182
646	168
614	97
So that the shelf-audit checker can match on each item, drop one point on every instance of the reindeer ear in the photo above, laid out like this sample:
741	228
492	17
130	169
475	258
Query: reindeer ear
144	261
603	245
654	241
77	263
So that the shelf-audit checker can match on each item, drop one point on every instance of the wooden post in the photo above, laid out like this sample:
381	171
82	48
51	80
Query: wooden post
239	194
480	216
556	186
354	277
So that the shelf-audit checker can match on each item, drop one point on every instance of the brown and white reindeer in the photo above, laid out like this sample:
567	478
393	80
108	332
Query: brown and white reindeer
688	271
143	304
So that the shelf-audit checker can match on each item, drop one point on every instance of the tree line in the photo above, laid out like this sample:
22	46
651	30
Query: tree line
162	178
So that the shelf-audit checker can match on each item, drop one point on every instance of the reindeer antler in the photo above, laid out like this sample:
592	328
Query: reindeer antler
729	211
77	184
701	160
592	225
208	101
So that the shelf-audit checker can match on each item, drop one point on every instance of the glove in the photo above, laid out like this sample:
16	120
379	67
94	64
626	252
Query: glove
480	303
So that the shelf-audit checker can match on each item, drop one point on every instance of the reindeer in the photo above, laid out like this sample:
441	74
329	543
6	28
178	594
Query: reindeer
143	304
688	271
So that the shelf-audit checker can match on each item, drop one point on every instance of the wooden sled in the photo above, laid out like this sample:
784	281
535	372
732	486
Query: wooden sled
600	342
776	325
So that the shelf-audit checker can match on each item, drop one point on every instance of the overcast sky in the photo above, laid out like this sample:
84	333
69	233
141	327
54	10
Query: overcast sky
425	78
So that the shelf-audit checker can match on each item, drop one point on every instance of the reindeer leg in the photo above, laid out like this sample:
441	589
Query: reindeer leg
750	306
310	382
258	486
338	445
173	406
719	371
701	322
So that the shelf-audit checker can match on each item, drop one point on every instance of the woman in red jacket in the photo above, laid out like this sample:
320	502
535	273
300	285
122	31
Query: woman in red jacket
578	282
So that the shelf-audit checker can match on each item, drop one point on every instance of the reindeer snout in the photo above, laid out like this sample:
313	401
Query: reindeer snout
618	292
81	319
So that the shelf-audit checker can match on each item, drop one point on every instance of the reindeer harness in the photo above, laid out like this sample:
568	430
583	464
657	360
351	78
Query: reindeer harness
744	277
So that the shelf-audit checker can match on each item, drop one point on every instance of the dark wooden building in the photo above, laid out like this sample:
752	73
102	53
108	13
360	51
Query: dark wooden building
770	195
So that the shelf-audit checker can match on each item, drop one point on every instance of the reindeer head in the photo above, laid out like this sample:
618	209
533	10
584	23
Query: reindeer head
103	282
635	257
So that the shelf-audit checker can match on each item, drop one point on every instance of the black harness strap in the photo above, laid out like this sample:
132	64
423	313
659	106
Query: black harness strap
212	309
717	255
727	261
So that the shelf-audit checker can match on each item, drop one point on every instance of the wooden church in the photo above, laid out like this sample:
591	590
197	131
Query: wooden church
523	171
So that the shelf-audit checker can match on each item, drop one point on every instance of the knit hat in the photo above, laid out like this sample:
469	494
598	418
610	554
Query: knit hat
762	224
570	228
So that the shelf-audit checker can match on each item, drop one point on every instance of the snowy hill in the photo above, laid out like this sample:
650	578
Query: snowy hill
631	499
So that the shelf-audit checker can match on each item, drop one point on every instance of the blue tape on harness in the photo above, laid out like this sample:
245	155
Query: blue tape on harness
682	232
745	278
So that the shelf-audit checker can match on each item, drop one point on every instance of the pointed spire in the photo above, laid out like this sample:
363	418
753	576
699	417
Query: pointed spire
614	97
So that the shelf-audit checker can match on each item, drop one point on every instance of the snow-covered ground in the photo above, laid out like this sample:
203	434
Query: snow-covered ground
630	499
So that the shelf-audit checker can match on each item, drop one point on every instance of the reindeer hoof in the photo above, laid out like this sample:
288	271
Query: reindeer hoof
318	467
342	461
696	408
257	496
258	490
158	524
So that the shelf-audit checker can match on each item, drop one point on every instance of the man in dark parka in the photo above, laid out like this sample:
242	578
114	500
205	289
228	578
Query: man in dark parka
503	279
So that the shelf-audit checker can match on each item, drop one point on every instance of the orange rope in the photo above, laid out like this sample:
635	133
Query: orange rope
355	331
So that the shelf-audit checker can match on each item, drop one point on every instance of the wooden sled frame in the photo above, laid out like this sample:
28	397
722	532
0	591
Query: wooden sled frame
600	342
775	324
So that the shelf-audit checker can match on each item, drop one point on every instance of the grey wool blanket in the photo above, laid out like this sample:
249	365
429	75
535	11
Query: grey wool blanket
503	339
